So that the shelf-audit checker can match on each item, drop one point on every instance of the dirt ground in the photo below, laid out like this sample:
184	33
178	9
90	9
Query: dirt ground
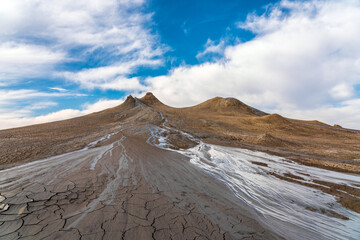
222	121
125	190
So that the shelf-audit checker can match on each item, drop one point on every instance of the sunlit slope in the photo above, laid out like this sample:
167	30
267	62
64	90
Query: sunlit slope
225	121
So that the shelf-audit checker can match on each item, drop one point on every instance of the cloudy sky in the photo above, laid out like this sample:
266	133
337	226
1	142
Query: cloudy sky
62	59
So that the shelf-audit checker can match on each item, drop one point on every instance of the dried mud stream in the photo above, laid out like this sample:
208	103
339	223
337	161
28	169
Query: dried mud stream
130	188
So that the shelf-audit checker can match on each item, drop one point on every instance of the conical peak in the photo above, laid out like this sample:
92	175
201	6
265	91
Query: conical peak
149	94
220	104
230	102
150	99
129	102
129	99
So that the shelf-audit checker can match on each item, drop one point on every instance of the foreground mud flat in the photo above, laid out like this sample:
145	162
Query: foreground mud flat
124	190
130	188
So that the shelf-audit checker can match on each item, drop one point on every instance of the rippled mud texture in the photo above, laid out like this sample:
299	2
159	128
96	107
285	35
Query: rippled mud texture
293	200
126	194
348	196
259	181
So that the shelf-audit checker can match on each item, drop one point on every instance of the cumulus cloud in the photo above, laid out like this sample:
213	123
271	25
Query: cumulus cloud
305	57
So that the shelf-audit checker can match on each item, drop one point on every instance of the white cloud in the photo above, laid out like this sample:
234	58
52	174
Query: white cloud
110	77
58	89
42	105
11	96
101	105
212	48
305	56
36	35
17	107
23	117
11	53
342	91
347	114
84	22
17	60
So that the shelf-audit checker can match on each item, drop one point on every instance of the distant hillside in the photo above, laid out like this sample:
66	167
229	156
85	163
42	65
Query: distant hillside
225	121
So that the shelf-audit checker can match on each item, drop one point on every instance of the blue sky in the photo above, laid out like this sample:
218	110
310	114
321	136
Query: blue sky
64	59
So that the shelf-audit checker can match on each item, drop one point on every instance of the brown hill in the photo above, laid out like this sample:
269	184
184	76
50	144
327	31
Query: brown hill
225	121
228	105
273	120
49	139
150	100
228	121
267	140
216	104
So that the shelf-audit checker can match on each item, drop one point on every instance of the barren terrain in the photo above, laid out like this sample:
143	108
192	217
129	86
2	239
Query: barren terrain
144	170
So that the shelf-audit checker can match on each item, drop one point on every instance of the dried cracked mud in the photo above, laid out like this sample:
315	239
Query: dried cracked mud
125	190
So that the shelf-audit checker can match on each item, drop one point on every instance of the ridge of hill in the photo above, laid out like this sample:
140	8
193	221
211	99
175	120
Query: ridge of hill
216	104
224	121
223	105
